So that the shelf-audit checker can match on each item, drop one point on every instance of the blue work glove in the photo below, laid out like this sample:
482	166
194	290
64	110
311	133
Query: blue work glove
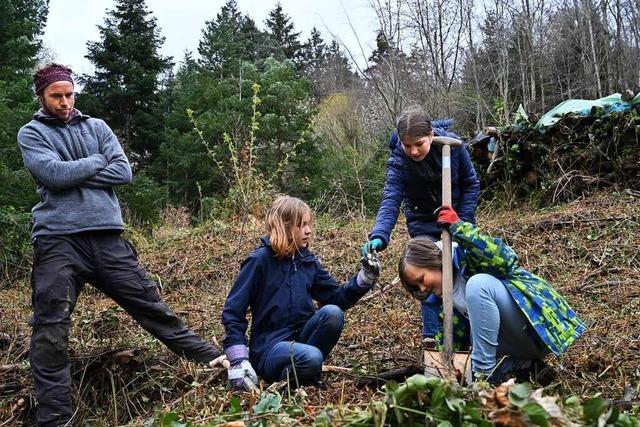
370	270
241	374
370	246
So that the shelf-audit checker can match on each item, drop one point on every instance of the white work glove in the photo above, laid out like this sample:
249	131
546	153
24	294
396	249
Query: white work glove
370	270
241	374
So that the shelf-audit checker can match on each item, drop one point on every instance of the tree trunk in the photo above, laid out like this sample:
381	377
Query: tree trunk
588	11
474	67
606	47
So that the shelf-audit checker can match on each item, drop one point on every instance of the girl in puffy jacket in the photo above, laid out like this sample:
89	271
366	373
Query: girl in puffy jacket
278	283
414	178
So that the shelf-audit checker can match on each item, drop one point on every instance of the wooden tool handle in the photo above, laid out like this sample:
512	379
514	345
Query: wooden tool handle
447	261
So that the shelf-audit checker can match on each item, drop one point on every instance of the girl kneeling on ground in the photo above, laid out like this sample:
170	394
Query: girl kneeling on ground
515	317
278	281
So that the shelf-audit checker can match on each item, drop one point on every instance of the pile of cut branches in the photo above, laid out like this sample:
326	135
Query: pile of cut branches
429	401
572	158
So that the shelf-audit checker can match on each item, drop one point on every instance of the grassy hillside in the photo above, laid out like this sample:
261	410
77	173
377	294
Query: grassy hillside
588	248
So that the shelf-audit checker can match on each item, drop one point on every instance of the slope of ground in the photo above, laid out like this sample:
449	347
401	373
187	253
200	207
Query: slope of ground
588	248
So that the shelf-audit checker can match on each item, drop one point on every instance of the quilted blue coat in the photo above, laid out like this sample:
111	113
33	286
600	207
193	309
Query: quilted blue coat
280	294
400	186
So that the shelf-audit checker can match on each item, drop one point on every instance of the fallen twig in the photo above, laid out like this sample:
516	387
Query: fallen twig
592	286
9	368
212	377
556	224
372	295
336	369
625	405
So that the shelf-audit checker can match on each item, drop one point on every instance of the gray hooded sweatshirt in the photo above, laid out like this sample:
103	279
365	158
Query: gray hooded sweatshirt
75	165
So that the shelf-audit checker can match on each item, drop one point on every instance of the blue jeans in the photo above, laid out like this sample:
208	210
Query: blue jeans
301	360
431	308
499	328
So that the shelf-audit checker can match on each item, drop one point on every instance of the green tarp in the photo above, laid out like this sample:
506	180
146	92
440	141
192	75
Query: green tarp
582	107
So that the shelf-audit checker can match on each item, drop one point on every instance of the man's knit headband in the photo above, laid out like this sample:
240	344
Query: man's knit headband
45	77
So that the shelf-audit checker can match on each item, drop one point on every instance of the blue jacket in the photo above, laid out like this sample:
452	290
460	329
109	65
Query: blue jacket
280	294
465	188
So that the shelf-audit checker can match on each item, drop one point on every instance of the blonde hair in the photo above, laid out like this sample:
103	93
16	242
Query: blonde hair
285	213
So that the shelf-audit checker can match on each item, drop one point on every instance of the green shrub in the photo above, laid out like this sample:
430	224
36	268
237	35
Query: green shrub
142	200
17	188
15	243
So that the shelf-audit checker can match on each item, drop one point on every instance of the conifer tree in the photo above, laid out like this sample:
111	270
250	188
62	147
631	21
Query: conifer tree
314	53
314	50
281	32
21	24
224	40
382	48
124	90
333	73
230	39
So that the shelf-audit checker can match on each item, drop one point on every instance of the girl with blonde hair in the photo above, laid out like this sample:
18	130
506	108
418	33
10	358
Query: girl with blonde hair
279	282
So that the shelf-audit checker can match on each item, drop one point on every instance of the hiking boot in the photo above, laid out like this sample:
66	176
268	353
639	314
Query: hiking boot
429	343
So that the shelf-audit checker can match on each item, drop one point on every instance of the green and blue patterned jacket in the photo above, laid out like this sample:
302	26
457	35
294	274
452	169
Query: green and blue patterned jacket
548	312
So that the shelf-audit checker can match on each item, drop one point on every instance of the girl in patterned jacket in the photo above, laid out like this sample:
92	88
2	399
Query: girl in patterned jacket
514	317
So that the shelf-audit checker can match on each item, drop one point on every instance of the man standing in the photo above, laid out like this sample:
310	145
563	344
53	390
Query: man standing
77	161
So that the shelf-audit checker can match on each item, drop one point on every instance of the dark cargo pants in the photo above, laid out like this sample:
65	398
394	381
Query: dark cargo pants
62	265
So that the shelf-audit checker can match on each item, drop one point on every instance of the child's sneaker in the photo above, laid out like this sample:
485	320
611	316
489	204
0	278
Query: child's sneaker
429	343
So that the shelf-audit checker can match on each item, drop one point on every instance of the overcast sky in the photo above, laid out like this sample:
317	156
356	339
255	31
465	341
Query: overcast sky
71	23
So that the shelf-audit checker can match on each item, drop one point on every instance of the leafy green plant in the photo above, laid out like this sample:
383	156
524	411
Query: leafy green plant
533	412
171	419
423	400
599	412
266	410
249	189
142	200
434	401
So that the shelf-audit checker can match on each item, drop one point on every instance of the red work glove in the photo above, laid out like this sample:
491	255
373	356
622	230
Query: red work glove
447	216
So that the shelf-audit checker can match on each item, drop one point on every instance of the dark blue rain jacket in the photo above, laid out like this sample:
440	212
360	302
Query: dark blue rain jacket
280	295
422	196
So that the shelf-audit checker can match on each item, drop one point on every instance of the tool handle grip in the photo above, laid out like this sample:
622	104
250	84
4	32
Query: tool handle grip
445	140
